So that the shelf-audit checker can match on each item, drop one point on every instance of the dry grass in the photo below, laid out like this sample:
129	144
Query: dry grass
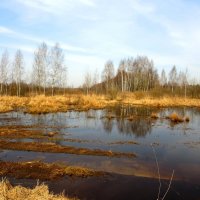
5	108
46	104
40	192
42	104
53	148
43	171
174	117
166	101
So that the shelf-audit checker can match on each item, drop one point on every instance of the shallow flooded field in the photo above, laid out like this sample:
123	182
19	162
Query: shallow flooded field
129	141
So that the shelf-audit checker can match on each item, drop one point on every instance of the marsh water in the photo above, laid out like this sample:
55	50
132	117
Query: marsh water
122	129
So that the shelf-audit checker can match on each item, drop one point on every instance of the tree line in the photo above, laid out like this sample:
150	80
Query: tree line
49	76
140	75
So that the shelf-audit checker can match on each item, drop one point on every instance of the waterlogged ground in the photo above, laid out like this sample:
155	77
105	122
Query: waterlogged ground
123	129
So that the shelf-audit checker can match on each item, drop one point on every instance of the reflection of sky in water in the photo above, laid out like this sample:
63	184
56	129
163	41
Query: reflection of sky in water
169	139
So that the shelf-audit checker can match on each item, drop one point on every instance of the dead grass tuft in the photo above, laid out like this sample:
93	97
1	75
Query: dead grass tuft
40	192
174	117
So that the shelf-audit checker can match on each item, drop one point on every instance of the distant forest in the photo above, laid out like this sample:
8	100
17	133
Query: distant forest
49	77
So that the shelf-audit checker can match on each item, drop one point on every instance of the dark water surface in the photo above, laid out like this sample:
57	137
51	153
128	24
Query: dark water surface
177	148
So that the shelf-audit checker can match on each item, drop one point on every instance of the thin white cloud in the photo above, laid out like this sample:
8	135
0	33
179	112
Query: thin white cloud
88	2
55	7
142	7
18	35
5	30
24	48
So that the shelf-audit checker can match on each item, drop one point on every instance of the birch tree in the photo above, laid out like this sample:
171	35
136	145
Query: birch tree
87	82
4	64
173	77
56	64
122	71
163	78
18	71
108	74
40	67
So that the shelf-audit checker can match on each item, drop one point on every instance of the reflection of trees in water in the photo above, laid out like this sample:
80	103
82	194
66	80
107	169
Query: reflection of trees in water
139	126
127	111
107	125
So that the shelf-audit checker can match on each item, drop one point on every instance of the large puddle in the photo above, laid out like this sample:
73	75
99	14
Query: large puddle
123	129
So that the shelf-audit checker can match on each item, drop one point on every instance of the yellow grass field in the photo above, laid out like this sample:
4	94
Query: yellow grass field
47	104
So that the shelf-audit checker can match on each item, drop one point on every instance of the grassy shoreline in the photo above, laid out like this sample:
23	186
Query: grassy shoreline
47	104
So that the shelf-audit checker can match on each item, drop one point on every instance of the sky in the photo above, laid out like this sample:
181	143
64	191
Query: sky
91	32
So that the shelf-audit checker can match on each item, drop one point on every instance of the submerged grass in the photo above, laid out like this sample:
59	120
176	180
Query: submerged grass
123	142
43	171
47	104
19	132
40	192
53	148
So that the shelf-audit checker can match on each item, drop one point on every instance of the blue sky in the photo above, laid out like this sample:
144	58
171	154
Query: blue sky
93	31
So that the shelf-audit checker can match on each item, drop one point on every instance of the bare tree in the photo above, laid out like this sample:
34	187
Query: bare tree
173	77
142	74
64	79
87	82
18	70
95	80
183	81
163	78
40	67
122	71
4	64
108	74
56	64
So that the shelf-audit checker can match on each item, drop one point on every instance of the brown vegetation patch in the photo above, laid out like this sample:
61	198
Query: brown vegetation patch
53	148
43	171
40	192
174	117
19	132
